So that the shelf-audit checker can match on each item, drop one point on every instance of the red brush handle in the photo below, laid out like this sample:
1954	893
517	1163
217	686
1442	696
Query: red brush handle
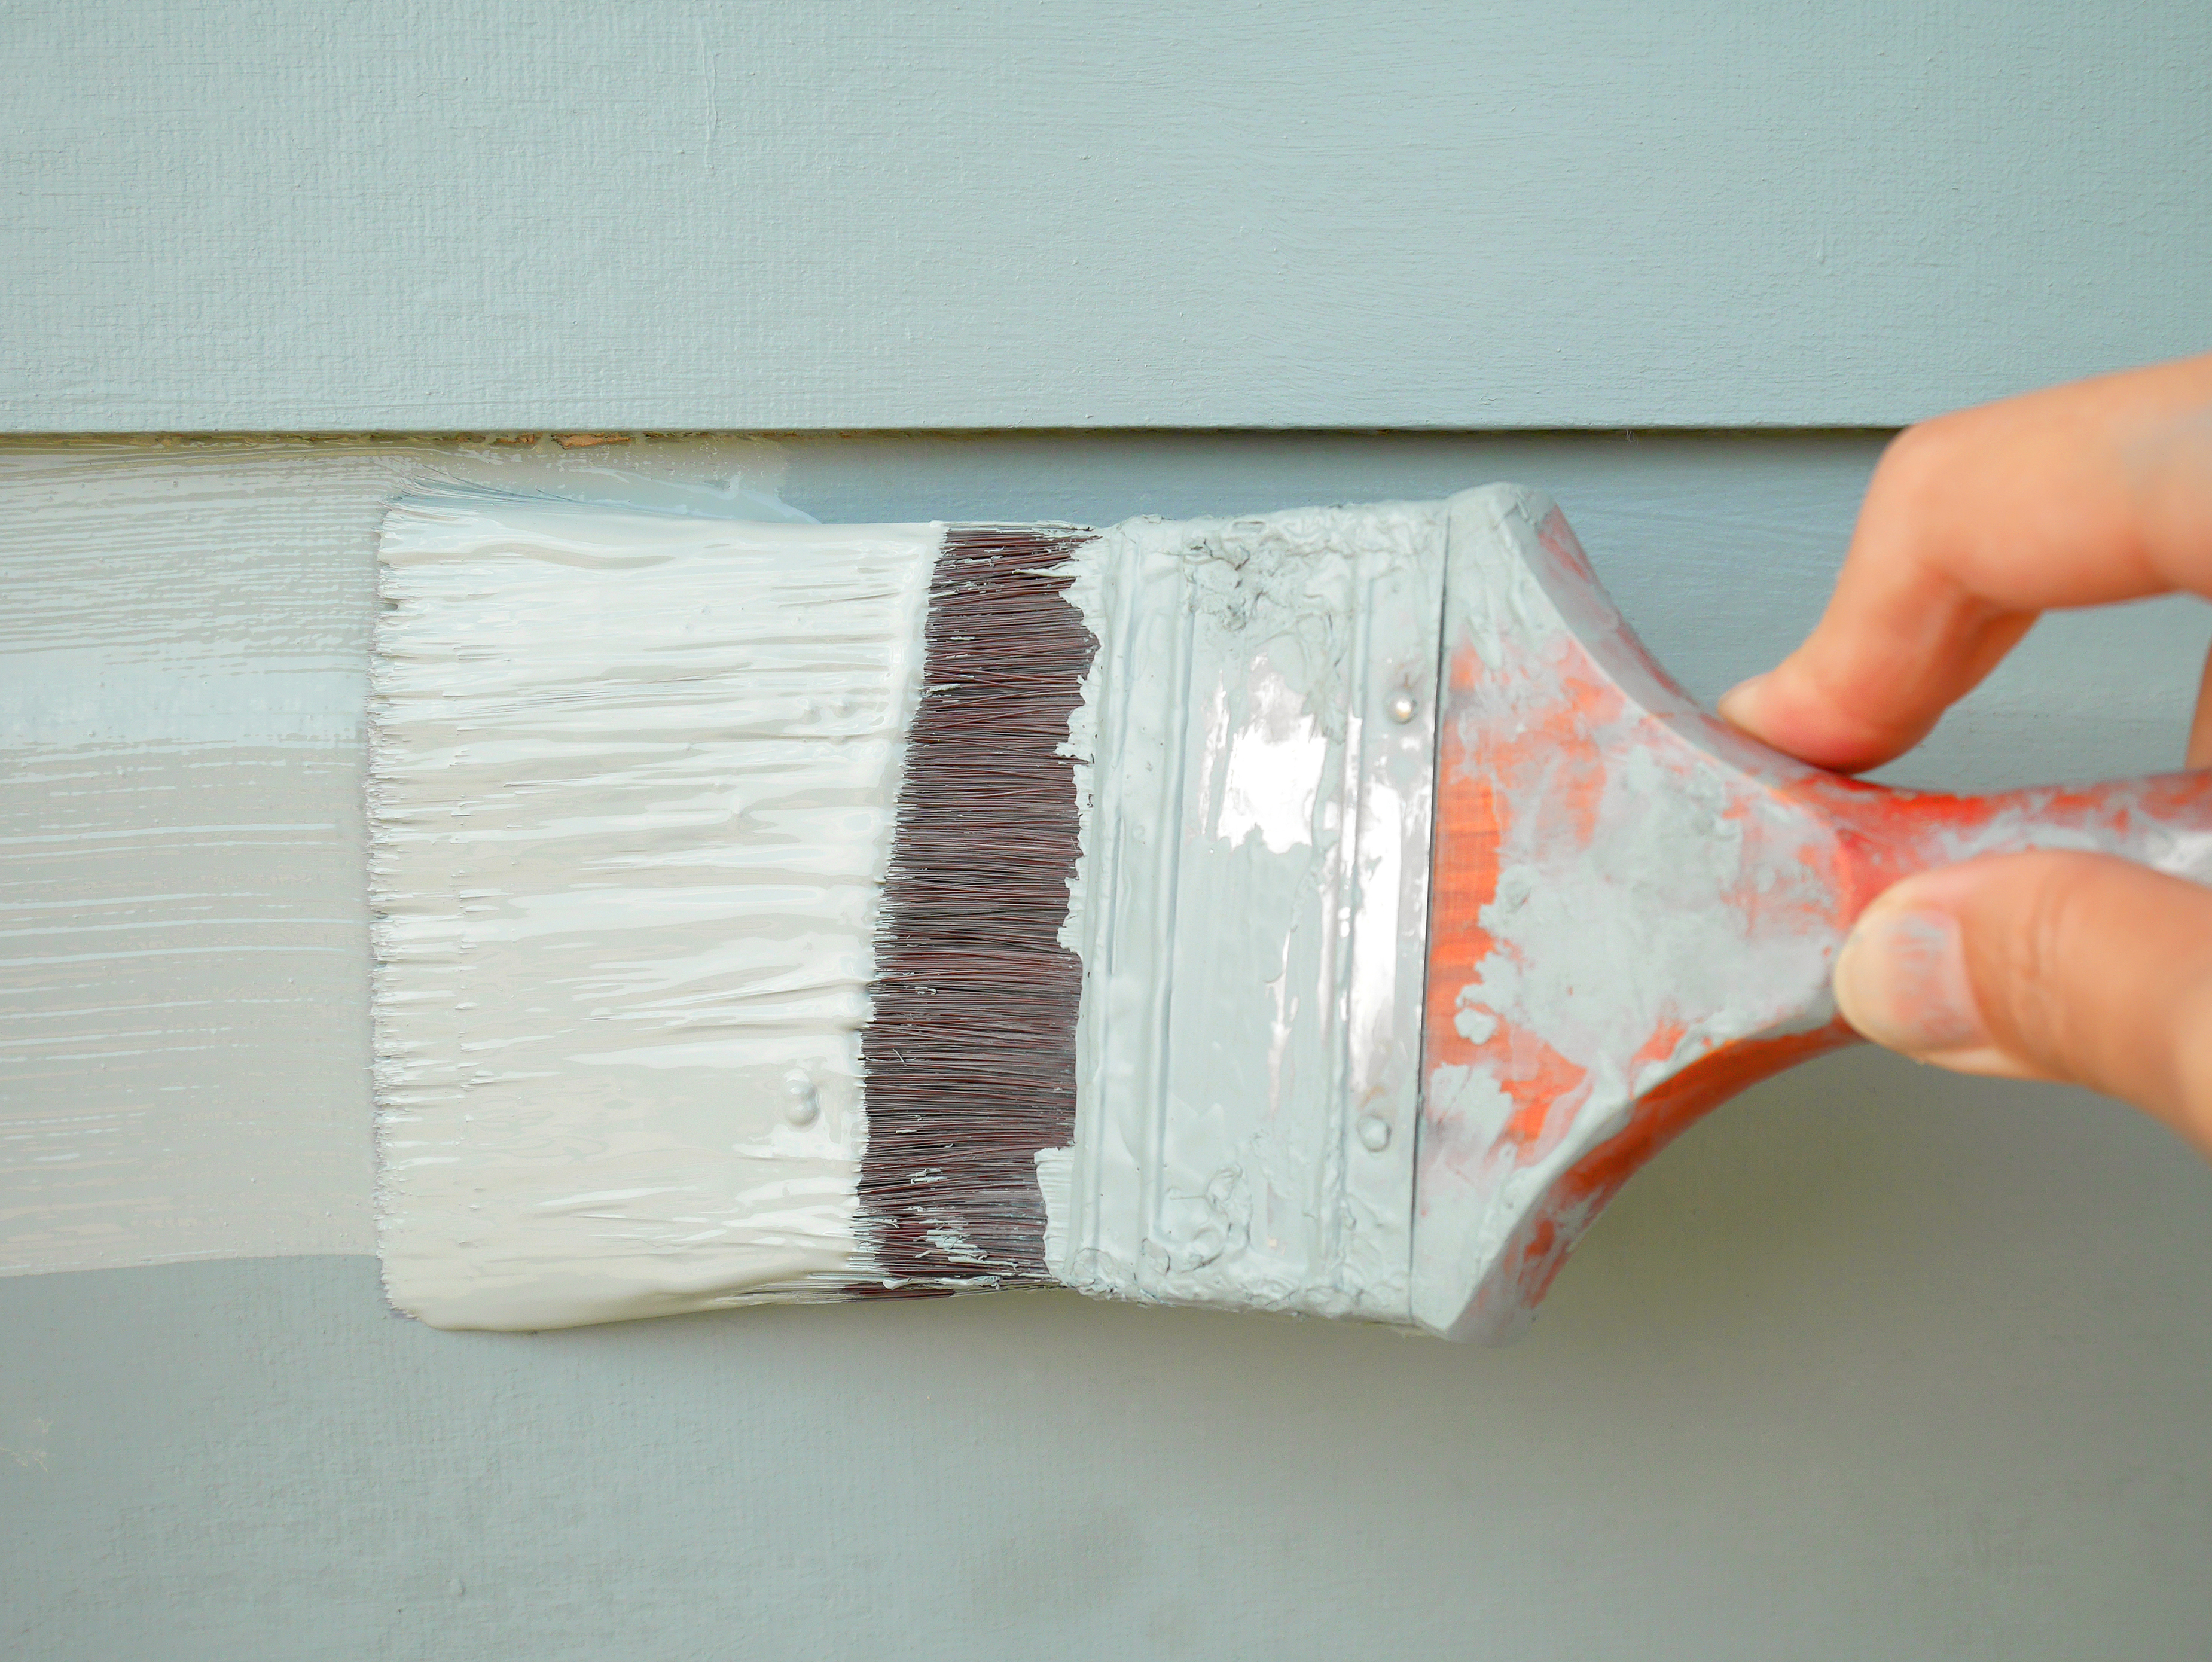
1635	908
2163	821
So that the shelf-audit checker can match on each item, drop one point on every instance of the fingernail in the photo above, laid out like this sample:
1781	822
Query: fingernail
1901	980
1738	705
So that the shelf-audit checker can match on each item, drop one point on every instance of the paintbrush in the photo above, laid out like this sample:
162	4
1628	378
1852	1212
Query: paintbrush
1322	911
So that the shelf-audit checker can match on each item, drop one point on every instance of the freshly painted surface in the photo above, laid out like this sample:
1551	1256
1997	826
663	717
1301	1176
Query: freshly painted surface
1256	756
182	662
184	1044
990	213
632	785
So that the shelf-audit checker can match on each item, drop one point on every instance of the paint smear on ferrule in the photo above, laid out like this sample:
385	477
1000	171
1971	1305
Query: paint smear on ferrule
1257	758
632	785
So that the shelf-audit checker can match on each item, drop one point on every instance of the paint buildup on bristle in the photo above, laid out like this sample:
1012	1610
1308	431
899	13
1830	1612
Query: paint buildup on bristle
968	1055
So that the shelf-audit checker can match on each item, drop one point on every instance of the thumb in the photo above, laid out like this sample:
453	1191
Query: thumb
2079	968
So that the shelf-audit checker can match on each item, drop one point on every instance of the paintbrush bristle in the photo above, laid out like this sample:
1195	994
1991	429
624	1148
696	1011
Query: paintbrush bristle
968	1055
776	911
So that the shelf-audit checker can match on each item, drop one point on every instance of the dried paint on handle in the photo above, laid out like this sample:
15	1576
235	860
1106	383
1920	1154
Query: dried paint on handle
1638	907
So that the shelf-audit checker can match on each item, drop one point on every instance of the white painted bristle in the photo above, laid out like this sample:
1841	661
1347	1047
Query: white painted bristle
794	911
632	791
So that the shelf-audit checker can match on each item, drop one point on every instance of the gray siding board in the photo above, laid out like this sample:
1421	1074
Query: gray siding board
984	214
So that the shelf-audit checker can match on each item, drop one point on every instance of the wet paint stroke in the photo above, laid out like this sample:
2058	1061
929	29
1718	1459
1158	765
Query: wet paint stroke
182	1046
184	1023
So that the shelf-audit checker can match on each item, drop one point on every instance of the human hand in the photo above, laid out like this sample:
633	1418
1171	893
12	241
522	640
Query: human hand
2073	967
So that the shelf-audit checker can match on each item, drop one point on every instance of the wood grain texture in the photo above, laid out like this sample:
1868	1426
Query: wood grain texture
985	213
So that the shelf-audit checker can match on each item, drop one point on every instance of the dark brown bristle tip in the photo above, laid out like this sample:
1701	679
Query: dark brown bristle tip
969	1056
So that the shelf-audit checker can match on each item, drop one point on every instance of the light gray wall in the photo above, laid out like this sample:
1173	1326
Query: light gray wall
1877	1363
278	214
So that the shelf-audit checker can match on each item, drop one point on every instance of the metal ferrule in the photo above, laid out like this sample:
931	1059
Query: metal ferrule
1256	757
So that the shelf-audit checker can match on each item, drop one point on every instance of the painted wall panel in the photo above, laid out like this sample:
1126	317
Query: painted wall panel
981	213
1877	1363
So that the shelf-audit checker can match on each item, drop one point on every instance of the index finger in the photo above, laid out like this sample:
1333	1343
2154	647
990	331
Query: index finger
1976	522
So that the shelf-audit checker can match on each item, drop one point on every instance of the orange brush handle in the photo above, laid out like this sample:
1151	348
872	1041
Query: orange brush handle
1635	908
